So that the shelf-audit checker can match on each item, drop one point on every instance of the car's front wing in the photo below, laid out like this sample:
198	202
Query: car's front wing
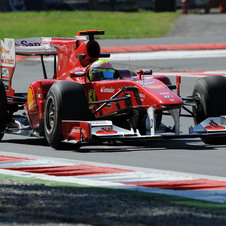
86	131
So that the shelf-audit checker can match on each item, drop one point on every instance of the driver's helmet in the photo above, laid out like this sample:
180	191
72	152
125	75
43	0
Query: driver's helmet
101	70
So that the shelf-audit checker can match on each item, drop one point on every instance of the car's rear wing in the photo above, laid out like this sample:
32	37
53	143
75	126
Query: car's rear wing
28	47
43	46
34	47
39	46
81	50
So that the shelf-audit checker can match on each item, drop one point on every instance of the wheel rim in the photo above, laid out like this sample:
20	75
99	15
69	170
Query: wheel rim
50	115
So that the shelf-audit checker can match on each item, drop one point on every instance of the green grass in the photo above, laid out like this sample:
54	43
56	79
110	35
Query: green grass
141	24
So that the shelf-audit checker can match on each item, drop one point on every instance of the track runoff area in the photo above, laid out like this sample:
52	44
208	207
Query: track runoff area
184	188
192	189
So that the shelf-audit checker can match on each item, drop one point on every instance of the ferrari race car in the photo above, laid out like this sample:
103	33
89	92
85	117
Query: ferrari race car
71	107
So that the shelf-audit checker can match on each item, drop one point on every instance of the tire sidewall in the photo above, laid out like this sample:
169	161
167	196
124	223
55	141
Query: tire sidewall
211	102
71	103
200	92
55	136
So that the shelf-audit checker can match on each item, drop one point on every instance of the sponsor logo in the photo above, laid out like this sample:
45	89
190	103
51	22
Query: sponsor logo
92	98
5	72
25	43
107	90
6	84
106	131
6	60
165	93
146	82
168	96
46	41
8	53
214	126
78	131
141	95
155	87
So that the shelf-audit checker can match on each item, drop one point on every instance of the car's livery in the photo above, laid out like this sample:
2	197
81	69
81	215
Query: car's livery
68	107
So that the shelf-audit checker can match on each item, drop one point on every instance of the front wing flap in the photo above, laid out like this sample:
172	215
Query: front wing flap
211	125
85	131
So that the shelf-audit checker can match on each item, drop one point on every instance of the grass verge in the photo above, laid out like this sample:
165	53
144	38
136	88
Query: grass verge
141	24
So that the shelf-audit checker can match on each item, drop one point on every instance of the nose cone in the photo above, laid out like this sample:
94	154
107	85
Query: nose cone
162	96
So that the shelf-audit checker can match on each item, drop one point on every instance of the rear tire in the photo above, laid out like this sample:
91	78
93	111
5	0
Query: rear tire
65	101
210	96
3	109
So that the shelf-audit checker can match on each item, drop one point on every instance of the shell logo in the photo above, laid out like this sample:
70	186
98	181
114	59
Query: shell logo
30	100
155	86
2	49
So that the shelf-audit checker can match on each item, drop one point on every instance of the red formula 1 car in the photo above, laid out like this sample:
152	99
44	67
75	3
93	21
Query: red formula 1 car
73	106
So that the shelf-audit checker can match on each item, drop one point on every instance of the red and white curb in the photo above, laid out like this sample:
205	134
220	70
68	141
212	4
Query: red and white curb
201	187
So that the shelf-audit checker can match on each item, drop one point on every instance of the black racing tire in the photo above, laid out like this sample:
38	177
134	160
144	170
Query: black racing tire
3	109
65	101
210	96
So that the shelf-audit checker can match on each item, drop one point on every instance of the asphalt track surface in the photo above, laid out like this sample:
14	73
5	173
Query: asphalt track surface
180	155
189	29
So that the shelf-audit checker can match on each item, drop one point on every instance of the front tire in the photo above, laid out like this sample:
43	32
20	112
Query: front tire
210	96
65	101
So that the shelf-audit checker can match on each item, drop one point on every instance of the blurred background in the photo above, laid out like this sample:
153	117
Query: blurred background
117	5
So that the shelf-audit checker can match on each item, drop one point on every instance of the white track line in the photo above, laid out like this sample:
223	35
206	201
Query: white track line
166	55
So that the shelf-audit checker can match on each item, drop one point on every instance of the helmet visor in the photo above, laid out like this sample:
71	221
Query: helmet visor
104	73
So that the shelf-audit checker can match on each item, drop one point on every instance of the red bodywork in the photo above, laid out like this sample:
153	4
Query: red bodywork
74	59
